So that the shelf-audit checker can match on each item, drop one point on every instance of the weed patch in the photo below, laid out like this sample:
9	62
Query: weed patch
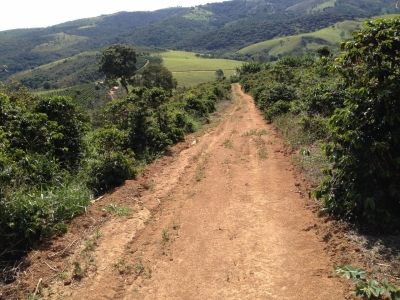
228	144
119	211
201	168
121	266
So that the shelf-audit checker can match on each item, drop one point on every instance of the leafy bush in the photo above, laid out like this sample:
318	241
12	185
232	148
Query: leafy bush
316	128
27	216
110	164
368	288
106	173
196	106
271	94
290	61
250	68
71	125
278	108
323	99
364	181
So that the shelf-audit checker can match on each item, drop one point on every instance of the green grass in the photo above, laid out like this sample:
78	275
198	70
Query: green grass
330	36
322	6
310	158
190	70
200	14
58	42
194	78
185	61
87	22
309	42
119	211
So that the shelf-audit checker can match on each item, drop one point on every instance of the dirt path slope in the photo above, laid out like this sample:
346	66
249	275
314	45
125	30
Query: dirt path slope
223	219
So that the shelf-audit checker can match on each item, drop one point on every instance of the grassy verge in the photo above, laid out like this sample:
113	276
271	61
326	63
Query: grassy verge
306	146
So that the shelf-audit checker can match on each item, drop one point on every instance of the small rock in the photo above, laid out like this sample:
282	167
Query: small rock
67	282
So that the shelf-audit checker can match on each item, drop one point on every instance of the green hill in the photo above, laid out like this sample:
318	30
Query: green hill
302	44
305	43
221	29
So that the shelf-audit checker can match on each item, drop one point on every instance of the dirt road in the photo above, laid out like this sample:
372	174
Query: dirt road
222	217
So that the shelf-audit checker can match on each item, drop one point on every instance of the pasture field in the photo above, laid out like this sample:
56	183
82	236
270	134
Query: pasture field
305	5
188	79
191	70
187	61
330	36
65	61
322	6
309	42
58	42
81	23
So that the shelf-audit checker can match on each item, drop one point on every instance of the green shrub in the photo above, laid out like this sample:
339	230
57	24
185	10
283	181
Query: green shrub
71	125
365	288
196	106
316	128
364	181
323	100
278	108
273	93
27	216
109	164
106	173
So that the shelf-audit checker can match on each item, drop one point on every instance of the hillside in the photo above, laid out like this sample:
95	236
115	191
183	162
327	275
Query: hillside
23	49
305	43
221	28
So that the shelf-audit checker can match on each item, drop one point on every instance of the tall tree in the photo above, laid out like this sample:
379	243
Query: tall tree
118	62
219	74
156	75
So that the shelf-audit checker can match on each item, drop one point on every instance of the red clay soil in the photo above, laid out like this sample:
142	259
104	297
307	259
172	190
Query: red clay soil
223	215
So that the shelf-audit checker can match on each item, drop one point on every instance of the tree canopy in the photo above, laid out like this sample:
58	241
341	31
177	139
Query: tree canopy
156	75
118	62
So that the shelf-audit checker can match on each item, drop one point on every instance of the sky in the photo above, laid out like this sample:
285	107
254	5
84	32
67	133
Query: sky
43	13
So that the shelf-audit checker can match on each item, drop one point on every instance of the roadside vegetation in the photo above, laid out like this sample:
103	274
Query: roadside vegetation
56	153
73	139
340	116
348	106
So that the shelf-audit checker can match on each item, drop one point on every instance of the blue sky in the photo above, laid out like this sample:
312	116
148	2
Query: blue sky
43	13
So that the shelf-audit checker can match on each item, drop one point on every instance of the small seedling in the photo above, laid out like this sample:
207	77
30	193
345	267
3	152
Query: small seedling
97	234
262	154
228	144
149	274
138	267
201	169
165	235
77	272
121	266
62	276
118	211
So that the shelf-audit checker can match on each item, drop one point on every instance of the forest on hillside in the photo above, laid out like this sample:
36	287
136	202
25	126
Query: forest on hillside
231	26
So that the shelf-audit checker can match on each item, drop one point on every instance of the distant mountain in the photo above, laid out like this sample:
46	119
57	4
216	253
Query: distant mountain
218	28
23	49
